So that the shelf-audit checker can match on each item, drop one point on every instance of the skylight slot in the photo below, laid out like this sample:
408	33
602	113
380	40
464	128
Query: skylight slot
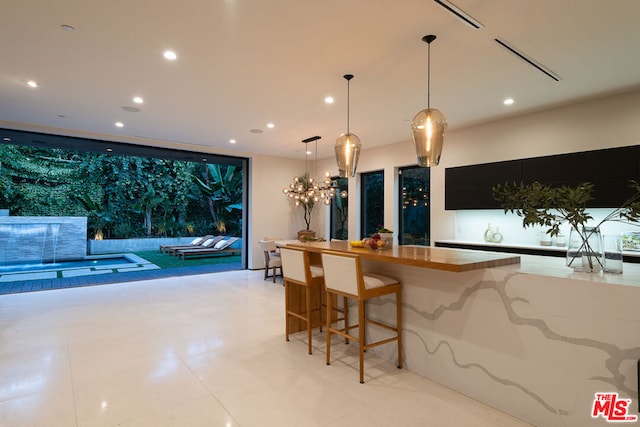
460	14
527	59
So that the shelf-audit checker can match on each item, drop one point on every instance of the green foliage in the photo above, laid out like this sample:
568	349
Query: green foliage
222	185
122	196
549	207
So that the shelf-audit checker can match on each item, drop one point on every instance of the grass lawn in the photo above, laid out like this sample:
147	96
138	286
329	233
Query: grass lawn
169	261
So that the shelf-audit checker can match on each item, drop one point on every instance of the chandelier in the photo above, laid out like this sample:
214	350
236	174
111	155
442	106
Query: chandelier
306	190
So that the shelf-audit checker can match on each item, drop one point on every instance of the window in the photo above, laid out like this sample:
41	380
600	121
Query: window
125	190
414	217
372	202
339	212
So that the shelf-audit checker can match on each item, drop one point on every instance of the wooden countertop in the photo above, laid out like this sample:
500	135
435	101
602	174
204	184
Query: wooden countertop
456	260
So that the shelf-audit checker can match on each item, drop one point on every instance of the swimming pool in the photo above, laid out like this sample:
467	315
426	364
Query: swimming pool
62	265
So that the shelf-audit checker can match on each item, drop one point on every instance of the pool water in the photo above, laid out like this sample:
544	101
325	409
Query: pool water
66	264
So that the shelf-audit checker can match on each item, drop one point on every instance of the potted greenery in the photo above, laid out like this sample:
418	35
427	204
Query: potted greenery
387	235
548	206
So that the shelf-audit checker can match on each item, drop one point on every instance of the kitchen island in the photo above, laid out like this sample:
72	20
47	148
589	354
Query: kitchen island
528	337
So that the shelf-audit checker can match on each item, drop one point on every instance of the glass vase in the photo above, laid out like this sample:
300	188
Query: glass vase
585	250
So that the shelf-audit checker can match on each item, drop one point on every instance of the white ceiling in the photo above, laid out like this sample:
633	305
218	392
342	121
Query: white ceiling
244	63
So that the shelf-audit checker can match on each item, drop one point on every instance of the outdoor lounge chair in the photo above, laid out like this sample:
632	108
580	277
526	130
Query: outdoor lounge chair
194	243
223	246
207	244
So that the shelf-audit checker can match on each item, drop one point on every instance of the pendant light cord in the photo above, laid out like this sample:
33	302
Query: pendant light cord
429	76
428	39
348	78
348	103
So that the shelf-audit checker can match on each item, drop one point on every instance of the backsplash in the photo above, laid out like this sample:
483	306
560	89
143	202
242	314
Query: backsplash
471	225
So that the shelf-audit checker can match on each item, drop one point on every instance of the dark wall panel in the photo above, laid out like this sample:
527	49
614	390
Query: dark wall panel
610	170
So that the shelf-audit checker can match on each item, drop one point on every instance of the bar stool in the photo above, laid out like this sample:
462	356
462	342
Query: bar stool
344	276
297	270
272	260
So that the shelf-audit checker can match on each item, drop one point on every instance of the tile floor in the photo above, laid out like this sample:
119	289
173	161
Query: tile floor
204	350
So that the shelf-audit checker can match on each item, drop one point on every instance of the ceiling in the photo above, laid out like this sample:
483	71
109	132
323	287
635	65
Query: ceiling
242	64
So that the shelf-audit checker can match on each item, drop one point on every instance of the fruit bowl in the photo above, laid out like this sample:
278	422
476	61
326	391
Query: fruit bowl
375	242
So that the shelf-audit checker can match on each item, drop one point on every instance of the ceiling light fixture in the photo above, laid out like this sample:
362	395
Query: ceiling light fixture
138	99
67	28
306	190
170	55
119	124
32	83
508	101
270	125
232	141
347	145
428	126
328	100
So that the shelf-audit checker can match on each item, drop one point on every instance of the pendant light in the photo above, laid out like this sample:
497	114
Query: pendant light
307	189
347	146
428	126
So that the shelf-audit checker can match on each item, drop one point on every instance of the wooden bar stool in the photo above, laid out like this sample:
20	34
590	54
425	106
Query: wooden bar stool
344	276
297	271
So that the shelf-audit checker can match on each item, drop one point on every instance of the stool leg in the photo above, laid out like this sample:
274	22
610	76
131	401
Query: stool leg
399	325
361	338
273	274
309	323
286	309
329	300
345	305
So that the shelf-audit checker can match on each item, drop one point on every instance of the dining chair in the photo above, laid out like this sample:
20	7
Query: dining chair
344	277
272	260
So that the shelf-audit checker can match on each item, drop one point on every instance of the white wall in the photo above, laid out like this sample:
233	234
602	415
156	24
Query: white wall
270	213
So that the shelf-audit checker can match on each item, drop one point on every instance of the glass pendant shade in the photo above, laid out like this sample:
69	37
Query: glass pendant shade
347	150
428	128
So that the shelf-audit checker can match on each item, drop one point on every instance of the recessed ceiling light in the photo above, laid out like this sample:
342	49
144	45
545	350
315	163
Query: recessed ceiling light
170	55
508	101
119	124
256	130
204	160
6	138
328	100
308	152
109	150
32	83
232	141
138	99
67	28
270	125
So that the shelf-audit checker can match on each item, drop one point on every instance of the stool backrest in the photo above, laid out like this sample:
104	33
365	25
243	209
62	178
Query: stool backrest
342	272
295	264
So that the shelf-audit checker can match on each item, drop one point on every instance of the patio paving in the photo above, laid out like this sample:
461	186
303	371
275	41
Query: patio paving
59	279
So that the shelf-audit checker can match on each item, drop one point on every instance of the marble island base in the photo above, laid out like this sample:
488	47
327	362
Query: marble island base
534	340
